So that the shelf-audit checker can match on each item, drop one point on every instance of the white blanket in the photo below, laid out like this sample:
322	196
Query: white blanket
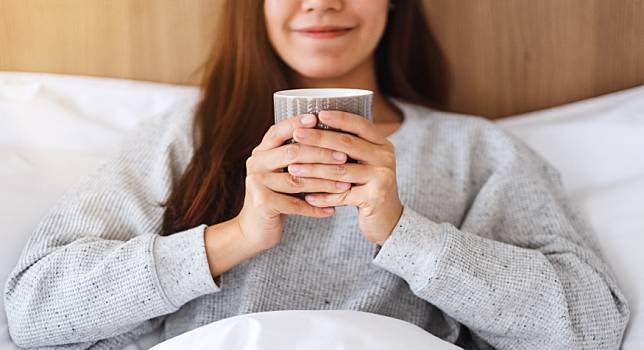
307	330
56	128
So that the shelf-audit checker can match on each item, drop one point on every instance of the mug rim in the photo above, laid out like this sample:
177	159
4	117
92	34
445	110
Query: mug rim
323	93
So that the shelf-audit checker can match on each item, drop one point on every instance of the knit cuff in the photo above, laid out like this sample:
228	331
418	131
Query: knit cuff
413	249
182	266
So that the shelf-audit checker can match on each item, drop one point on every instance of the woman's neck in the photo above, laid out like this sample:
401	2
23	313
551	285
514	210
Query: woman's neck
362	77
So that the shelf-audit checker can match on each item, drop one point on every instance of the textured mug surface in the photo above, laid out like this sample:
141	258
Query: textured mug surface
291	103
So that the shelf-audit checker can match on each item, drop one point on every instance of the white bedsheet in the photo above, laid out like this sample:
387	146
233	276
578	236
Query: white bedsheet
303	330
56	128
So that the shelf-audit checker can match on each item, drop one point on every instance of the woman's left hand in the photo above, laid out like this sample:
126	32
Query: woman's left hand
375	190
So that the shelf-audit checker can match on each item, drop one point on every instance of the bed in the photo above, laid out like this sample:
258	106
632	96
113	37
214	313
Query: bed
55	128
503	60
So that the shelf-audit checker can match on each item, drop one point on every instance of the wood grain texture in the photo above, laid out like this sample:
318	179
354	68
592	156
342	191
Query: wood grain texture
505	56
514	56
156	40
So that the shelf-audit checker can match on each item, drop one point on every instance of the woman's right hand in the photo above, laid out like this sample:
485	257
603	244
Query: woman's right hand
267	196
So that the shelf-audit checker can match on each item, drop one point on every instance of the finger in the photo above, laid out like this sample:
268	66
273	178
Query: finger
279	133
289	183
354	146
281	157
348	172
355	196
291	205
352	123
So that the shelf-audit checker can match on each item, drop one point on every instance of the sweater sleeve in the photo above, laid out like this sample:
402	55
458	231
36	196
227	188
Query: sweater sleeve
523	270
96	269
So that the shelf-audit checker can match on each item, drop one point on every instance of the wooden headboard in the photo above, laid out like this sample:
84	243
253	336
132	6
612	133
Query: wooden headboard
505	56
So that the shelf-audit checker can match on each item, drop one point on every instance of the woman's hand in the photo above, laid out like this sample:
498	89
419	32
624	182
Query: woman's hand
265	202
376	193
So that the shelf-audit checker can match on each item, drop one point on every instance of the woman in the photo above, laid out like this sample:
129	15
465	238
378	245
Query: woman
460	228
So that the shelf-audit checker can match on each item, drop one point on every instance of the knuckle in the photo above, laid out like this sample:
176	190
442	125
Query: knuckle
248	181
376	196
385	182
379	194
343	196
271	133
252	181
298	205
386	175
261	199
250	161
272	129
339	169
346	139
341	115
388	157
292	151
294	181
332	188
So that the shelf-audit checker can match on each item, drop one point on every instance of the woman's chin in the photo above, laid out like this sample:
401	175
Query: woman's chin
323	72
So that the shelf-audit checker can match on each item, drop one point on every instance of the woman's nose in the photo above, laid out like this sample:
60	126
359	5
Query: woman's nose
321	5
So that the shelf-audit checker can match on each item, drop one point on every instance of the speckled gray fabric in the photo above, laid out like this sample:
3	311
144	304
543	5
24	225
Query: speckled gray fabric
488	252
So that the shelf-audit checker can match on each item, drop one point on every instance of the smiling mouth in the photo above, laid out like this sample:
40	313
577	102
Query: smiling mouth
324	33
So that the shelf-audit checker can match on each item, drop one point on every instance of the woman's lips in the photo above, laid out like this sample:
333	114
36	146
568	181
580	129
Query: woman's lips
325	34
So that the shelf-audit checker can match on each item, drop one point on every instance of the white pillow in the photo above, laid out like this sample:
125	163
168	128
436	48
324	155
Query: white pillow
307	330
617	215
598	146
594	142
53	130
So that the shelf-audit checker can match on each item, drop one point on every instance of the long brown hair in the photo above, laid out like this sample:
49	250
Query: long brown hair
236	106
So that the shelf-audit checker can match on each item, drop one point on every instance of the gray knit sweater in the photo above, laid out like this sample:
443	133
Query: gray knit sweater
488	251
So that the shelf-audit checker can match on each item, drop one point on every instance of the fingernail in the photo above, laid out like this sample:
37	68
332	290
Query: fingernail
307	119
339	155
342	185
310	198
295	168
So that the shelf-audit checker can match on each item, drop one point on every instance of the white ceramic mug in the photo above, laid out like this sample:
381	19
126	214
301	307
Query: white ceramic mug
290	103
